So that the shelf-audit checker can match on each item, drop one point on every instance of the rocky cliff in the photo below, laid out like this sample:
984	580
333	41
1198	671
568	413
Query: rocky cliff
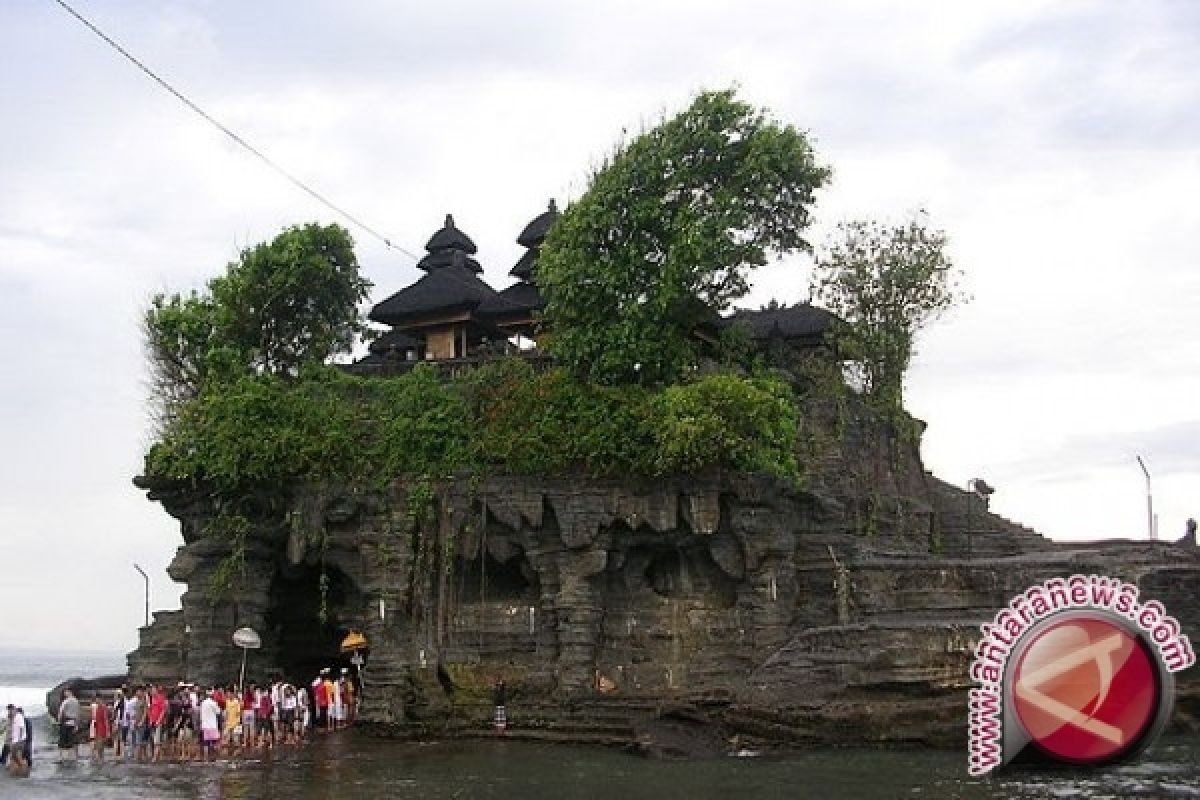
620	611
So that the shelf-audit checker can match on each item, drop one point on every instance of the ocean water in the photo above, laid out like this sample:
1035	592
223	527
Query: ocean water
26	675
351	766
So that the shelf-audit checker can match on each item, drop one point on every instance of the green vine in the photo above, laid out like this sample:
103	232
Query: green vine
231	569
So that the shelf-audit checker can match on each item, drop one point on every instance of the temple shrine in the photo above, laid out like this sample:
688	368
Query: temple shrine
451	315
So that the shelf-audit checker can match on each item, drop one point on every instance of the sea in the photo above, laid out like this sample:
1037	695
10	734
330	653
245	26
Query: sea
354	766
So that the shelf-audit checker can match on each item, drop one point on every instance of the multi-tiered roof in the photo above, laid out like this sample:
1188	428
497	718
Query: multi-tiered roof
450	312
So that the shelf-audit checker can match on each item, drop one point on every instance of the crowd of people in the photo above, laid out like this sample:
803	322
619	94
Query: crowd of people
193	723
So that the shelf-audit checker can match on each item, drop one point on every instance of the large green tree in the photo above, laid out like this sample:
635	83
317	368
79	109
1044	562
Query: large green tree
886	282
281	304
666	233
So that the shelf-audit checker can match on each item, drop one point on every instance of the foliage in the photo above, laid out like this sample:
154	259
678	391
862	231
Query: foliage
666	234
281	305
886	283
327	425
748	422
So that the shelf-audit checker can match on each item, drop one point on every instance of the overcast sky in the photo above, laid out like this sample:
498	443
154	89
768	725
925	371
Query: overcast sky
1057	143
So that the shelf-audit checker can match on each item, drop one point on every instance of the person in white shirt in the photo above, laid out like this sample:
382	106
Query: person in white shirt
210	725
17	765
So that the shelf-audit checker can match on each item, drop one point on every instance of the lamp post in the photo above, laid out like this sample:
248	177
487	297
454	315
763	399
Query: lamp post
1149	501
145	578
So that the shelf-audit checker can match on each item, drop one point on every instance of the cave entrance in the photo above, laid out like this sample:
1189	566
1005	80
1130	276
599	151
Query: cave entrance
686	574
304	644
493	581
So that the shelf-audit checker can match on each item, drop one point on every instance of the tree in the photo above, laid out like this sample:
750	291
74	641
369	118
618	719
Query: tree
279	306
666	234
886	283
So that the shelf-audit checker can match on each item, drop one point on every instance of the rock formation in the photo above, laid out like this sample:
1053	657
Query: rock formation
845	611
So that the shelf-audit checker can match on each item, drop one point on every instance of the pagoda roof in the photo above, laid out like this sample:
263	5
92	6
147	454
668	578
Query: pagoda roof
393	340
444	258
535	232
450	238
449	288
520	298
523	269
801	321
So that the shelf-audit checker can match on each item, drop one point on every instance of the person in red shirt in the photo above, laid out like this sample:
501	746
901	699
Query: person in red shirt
157	718
321	698
266	733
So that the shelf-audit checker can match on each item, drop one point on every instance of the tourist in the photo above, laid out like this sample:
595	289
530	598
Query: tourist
233	721
100	728
157	717
249	723
17	734
327	688
287	715
68	723
188	725
337	703
350	692
141	724
210	725
303	712
121	725
321	701
277	708
500	699
129	725
263	711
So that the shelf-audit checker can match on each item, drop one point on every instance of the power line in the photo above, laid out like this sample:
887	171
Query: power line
235	137
255	151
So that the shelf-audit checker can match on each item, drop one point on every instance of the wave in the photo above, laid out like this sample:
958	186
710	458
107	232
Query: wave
32	699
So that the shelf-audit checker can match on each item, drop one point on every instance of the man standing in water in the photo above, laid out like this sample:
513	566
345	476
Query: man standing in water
68	723
500	698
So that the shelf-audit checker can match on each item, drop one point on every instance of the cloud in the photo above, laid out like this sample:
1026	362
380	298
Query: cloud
1055	143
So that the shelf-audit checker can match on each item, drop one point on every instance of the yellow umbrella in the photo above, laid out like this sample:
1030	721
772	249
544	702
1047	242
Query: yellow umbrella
354	641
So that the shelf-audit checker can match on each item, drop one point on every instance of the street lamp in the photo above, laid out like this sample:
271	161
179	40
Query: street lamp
145	578
1149	501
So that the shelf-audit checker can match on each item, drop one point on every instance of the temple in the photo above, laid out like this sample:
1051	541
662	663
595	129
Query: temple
453	317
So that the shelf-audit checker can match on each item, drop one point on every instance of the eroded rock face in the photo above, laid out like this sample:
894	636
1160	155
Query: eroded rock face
773	614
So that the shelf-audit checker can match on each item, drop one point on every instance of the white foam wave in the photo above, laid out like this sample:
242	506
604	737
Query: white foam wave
32	699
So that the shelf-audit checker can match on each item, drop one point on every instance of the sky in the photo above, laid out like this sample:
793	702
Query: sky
1056	143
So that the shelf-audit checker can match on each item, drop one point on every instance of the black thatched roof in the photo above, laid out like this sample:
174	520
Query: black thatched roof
444	258
392	341
801	321
535	232
444	289
450	238
523	269
520	298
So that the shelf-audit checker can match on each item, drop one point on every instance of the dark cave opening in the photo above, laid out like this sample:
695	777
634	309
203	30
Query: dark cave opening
494	581
686	573
305	644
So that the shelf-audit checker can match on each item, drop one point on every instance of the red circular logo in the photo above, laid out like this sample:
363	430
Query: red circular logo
1085	690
